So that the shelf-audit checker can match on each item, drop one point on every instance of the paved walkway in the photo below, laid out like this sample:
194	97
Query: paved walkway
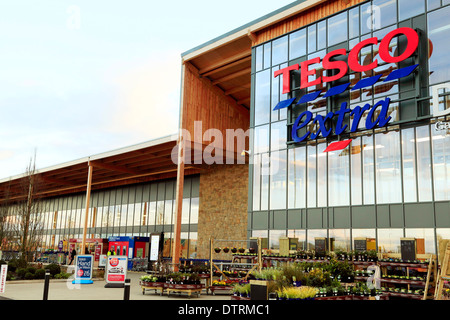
65	290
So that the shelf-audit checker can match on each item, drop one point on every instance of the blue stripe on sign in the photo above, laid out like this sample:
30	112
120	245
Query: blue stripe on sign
367	82
400	73
284	104
309	97
336	90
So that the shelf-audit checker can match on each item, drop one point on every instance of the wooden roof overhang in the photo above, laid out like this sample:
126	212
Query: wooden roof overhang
135	164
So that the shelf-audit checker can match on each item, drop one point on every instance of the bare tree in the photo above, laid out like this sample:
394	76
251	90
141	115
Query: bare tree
27	221
5	234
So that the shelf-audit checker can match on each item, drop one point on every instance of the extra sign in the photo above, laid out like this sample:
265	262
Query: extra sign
341	67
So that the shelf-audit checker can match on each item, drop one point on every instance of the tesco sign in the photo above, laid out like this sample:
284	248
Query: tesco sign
353	63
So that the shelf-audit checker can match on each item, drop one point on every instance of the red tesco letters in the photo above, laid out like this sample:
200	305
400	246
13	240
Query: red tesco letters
353	59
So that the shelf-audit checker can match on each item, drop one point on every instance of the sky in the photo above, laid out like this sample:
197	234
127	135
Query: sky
79	78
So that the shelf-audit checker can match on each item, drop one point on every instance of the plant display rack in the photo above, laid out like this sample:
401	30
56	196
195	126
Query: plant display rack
443	277
236	266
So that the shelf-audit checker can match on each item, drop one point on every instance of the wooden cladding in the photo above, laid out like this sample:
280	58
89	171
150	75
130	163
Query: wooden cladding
202	101
302	19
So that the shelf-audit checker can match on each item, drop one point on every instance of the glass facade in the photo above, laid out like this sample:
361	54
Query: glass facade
135	210
390	182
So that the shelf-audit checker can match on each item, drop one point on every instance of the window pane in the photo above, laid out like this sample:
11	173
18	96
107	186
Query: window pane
384	13
194	210
259	58
297	178
425	235
312	38
321	175
423	162
256	182
311	186
297	44
280	50
338	166
439	33
387	153
261	139
278	180
267	55
278	135
262	97
409	166
356	175
410	8
340	239
368	179
389	240
265	174
441	165
313	234
337	29
321	35
353	22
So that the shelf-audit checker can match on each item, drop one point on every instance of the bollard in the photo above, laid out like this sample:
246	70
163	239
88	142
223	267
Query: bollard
126	292
46	283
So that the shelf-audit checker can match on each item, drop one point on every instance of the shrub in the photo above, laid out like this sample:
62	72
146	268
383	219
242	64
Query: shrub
53	268
39	274
29	276
21	272
62	275
31	270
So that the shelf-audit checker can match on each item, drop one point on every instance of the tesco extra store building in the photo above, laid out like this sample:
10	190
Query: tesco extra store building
348	112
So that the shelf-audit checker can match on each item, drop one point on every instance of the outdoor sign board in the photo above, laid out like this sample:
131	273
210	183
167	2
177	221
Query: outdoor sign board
155	246
379	110
3	272
83	269
116	270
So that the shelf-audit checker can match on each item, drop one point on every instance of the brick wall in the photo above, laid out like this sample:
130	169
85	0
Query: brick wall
222	208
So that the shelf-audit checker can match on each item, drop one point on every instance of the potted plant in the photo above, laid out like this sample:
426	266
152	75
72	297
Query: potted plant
241	250
234	250
217	249
226	249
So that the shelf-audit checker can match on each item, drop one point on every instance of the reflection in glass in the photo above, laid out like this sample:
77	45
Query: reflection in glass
278	135
278	180
338	168
353	22
410	8
423	162
387	13
256	182
441	165
297	44
279	50
438	34
265	174
297	178
258	58
261	139
274	238
311	174
426	235
409	166
194	210
368	176
321	35
312	38
388	176
340	239
300	235
267	55
337	29
389	240
356	174
312	235
262	97
321	175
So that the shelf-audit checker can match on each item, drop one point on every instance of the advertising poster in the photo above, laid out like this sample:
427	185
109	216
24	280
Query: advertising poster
83	269
154	247
116	270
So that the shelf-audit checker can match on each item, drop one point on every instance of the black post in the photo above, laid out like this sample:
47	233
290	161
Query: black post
46	283
126	292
